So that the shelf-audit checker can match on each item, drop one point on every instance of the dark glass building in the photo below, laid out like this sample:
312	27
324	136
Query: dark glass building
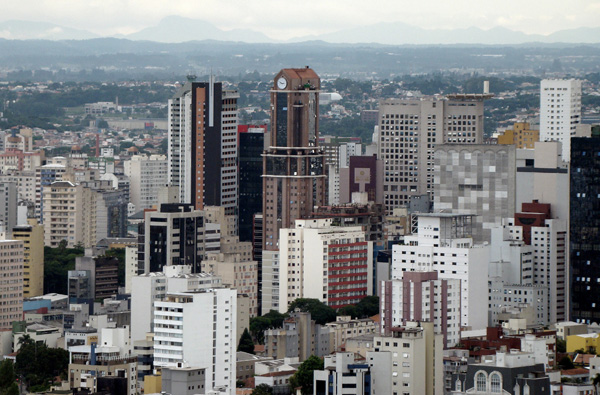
585	228
251	141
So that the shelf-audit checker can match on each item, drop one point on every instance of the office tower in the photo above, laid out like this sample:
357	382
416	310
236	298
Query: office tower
521	136
202	151
8	206
250	149
443	242
32	236
338	149
294	178
320	261
422	296
476	179
198	328
147	175
410	129
171	235
11	286
584	232
94	277
560	112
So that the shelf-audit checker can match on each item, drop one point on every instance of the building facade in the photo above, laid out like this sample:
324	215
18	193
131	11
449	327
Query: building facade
294	179
560	112
202	150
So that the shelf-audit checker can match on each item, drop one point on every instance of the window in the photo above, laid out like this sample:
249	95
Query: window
495	383
480	381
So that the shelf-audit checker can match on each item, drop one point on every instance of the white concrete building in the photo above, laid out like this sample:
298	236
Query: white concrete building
442	243
147	175
422	296
199	328
325	262
149	288
560	112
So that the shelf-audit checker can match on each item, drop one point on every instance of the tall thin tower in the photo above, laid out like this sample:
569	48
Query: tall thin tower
294	178
202	152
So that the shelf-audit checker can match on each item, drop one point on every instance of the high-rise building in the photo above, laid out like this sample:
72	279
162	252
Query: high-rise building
443	243
199	328
172	235
147	175
32	236
476	179
320	261
584	232
11	286
294	179
560	112
408	132
250	149
421	296
202	150
8	206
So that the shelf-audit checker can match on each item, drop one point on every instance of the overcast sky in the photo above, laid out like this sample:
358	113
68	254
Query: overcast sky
285	19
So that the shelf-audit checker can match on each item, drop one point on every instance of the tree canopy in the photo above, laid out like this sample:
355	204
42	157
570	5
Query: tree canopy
246	344
319	311
57	262
258	325
39	364
304	375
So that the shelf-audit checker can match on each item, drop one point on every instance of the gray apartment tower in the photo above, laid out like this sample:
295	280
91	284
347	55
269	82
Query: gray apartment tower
409	130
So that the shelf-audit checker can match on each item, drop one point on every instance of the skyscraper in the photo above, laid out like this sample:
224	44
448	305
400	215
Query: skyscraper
409	130
584	232
251	146
294	179
202	151
560	112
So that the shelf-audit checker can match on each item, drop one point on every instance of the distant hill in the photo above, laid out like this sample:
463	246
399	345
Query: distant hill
28	30
175	29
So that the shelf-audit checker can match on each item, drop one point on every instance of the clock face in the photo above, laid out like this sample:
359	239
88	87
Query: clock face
281	83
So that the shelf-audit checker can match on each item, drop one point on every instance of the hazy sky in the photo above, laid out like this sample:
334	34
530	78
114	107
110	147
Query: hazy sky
285	19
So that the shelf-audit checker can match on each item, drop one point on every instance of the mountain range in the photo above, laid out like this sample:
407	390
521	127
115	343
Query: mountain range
175	29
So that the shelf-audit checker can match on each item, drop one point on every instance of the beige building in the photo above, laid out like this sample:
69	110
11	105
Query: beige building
236	269
344	328
414	357
218	215
11	285
67	214
521	136
32	236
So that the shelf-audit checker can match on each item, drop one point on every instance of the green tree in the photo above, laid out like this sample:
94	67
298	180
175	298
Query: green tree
566	363
320	312
13	389
263	389
561	345
258	325
7	374
303	378
39	364
596	382
246	344
57	262
368	306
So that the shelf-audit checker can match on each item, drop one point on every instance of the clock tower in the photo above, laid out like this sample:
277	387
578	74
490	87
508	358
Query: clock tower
294	176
